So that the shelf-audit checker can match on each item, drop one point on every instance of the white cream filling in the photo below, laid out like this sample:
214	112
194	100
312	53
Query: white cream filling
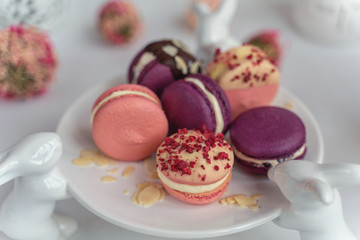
145	59
190	188
214	102
118	94
273	162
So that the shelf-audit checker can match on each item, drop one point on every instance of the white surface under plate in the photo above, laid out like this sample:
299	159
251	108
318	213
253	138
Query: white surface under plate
169	218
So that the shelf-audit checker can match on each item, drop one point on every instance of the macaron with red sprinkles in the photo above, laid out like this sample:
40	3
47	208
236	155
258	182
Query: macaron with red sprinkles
195	166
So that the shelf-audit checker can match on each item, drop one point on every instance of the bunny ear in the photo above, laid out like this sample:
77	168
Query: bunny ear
341	174
321	189
227	9
201	9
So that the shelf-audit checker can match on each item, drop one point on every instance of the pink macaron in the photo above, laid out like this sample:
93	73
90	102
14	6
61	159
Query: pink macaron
248	77
128	122
195	166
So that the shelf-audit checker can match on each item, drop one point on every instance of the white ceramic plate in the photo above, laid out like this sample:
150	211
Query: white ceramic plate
169	218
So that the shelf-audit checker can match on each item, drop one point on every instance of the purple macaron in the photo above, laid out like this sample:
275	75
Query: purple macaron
265	136
161	63
194	102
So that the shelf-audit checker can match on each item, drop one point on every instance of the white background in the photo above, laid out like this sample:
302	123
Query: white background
325	78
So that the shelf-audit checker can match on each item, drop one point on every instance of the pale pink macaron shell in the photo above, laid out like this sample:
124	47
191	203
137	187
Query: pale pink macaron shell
200	198
243	99
129	127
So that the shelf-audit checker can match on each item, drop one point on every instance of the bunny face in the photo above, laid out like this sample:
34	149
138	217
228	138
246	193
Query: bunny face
301	183
31	156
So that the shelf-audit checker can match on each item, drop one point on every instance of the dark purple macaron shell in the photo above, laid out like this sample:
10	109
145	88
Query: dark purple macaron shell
165	68
267	133
187	106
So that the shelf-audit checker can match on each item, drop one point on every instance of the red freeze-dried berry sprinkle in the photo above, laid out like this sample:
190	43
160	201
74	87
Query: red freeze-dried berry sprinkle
227	166
249	57
216	167
264	77
217	51
203	178
222	156
182	131
202	166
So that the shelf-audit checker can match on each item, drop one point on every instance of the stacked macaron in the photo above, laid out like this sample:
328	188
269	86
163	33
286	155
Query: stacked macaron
160	63
195	166
247	75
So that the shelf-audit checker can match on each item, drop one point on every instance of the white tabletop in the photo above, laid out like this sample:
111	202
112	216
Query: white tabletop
325	78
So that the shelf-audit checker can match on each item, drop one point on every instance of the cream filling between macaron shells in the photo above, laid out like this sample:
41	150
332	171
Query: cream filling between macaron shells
118	94
272	162
191	188
219	119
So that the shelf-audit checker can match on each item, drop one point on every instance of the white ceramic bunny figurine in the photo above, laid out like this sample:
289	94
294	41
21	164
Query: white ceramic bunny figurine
213	29
315	208
27	213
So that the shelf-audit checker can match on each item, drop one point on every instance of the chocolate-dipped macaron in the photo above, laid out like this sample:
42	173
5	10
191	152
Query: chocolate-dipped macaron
194	102
265	136
162	62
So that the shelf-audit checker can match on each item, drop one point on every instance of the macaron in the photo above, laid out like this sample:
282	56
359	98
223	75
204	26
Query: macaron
161	63
128	122
119	22
194	102
195	166
247	75
265	136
